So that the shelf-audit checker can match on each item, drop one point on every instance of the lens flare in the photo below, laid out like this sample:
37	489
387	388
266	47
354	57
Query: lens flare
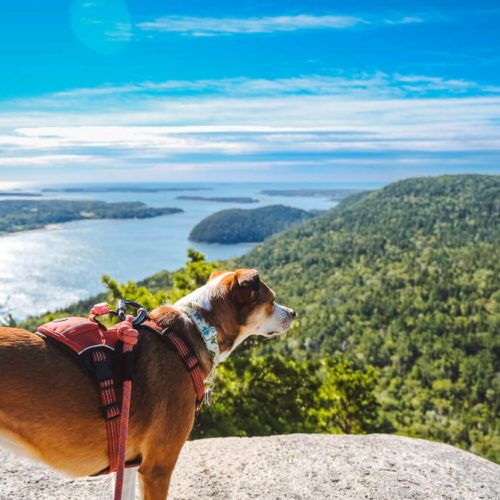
102	25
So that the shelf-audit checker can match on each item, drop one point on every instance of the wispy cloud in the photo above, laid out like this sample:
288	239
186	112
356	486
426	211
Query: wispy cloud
211	26
405	20
197	26
313	121
46	160
119	32
370	85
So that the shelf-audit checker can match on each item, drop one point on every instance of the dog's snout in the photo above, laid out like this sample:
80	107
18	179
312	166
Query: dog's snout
293	314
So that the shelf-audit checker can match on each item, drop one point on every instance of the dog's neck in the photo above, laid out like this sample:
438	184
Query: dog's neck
207	332
199	307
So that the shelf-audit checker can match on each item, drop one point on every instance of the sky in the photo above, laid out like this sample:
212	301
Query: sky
281	91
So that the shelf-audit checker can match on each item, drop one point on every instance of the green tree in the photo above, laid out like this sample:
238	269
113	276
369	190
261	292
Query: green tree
346	402
193	275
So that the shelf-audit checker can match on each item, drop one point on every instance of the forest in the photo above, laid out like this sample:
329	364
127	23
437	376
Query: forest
398	300
237	225
21	215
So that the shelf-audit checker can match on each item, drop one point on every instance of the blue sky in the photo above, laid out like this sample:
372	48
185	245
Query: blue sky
341	91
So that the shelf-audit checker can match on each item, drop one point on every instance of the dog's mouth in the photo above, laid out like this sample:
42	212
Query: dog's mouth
272	335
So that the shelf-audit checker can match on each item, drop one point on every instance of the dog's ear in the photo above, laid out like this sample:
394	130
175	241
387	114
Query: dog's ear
215	274
247	283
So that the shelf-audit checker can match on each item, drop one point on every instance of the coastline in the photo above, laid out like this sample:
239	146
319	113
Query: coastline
68	259
58	226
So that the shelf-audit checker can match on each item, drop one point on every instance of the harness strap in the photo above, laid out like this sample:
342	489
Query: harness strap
109	404
187	356
191	363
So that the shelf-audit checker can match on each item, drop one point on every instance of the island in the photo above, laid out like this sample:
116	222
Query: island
24	194
221	199
332	194
22	215
122	189
238	225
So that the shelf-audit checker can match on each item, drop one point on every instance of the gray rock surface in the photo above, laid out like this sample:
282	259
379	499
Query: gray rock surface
297	466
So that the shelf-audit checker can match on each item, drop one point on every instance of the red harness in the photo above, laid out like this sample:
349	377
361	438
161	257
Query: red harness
97	347
188	357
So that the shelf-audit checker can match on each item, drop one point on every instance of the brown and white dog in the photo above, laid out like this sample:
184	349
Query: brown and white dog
50	410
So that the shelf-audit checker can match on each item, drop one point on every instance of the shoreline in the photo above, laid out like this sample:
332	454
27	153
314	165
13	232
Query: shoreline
58	226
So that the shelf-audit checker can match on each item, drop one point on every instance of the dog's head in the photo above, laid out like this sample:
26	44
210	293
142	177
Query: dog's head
241	304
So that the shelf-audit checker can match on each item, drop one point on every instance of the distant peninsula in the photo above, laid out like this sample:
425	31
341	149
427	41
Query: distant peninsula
221	199
332	194
24	194
23	215
122	189
238	225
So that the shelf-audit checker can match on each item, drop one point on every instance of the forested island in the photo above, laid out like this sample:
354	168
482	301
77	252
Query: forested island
332	194
122	189
398	302
23	194
237	225
221	199
22	215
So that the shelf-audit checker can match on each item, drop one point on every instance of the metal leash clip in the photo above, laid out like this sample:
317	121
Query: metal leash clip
121	311
208	396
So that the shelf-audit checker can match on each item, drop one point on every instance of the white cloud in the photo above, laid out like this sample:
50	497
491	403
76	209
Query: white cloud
212	26
206	26
44	160
405	20
120	32
377	84
309	121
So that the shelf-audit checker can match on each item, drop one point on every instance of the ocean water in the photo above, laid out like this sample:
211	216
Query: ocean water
46	269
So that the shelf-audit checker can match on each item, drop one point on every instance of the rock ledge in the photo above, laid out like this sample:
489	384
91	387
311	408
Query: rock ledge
298	466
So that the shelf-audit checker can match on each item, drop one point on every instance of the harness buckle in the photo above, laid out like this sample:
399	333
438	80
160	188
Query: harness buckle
208	396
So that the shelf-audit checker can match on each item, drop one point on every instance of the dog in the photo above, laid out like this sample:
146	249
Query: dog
50	409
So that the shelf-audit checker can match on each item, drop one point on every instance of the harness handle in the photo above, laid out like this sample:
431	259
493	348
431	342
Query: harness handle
121	311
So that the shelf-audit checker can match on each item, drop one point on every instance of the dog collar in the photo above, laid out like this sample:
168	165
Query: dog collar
208	333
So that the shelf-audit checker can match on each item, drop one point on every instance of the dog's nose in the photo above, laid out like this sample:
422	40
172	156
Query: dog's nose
293	314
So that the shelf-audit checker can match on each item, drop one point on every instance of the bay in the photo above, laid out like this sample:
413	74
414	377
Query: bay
46	269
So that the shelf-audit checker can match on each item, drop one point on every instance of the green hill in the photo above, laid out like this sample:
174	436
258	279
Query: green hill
407	279
237	225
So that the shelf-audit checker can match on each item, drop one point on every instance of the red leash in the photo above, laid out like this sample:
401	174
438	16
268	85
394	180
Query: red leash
129	336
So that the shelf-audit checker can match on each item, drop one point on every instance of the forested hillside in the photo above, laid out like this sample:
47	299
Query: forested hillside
398	300
406	279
